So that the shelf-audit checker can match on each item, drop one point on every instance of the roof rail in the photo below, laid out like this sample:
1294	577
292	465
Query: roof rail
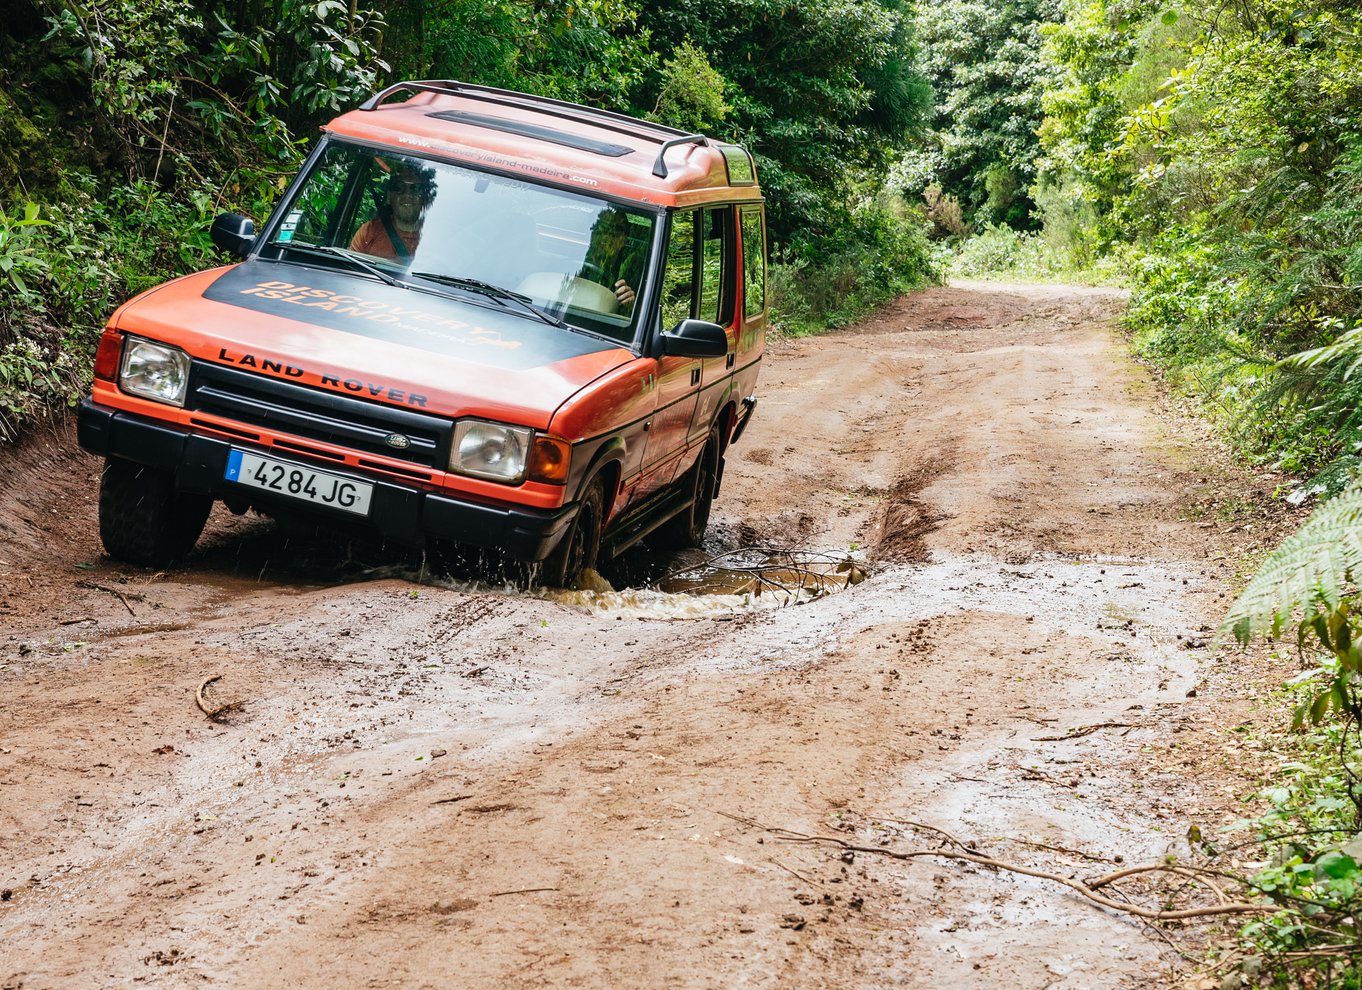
607	119
660	166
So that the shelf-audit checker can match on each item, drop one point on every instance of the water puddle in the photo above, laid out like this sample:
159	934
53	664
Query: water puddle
734	581
783	576
691	584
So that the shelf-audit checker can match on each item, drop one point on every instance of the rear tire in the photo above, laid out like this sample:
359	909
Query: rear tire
143	519
687	528
580	548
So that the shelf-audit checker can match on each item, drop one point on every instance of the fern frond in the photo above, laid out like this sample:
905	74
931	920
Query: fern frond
1312	566
1348	345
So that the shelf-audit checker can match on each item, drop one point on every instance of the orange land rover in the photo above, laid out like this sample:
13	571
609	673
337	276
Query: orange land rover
476	316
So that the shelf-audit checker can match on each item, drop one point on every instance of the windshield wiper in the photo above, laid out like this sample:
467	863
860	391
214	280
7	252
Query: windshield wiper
355	261
495	292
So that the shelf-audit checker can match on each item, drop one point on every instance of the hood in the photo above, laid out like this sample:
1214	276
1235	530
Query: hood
363	338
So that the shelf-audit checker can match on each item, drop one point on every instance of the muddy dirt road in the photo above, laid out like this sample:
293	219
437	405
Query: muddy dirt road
441	785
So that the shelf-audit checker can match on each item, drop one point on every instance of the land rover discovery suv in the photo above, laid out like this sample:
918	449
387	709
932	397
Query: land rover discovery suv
475	316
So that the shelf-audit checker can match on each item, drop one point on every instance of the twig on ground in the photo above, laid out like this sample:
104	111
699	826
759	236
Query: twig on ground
113	591
811	883
1155	929
930	828
199	699
1324	950
1061	849
523	890
451	800
1083	731
1044	778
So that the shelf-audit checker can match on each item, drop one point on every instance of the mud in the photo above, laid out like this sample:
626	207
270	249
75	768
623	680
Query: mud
427	782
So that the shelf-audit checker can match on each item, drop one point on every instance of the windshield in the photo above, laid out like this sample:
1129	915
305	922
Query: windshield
578	258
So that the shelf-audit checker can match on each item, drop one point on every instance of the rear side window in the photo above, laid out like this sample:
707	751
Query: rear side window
754	264
715	252
697	280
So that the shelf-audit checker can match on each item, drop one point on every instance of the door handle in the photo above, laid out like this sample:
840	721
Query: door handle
695	376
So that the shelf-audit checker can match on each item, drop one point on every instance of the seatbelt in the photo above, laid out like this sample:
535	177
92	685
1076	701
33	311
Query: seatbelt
399	245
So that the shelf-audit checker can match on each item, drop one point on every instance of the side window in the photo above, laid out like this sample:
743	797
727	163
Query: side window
678	275
715	252
754	264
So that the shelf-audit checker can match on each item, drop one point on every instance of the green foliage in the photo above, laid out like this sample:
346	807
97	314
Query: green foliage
823	93
881	252
692	97
132	52
1308	852
18	256
984	62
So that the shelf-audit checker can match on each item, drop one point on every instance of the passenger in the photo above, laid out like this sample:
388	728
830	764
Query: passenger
395	231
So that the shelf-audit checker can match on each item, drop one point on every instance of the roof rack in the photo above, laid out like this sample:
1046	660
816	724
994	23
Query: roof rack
607	119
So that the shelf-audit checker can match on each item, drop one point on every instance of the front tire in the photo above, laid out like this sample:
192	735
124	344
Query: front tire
580	548
143	518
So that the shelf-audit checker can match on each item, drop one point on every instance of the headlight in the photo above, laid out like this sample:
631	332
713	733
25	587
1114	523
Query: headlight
490	450
154	371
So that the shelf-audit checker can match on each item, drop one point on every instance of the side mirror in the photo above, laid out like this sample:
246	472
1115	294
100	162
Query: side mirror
695	338
233	233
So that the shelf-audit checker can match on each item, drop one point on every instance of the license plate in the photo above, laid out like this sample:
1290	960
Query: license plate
295	481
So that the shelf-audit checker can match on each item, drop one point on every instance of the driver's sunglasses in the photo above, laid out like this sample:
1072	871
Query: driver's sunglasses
406	186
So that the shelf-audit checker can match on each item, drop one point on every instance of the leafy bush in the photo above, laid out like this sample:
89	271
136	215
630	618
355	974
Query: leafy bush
1002	252
881	250
65	269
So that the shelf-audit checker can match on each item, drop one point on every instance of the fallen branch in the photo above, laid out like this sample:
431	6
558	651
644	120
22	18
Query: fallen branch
1088	891
111	591
1083	731
930	828
1061	849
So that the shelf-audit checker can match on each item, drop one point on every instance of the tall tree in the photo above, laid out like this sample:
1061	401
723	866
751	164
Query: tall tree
984	62
824	93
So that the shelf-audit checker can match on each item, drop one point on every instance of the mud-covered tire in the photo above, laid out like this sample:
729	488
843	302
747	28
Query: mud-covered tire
580	547
143	519
687	528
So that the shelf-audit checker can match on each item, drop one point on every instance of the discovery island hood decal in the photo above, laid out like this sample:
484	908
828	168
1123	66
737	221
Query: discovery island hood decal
400	316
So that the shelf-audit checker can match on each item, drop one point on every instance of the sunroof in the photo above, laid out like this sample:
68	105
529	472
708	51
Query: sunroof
537	131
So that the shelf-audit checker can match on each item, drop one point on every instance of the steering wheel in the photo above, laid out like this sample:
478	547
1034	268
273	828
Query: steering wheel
592	271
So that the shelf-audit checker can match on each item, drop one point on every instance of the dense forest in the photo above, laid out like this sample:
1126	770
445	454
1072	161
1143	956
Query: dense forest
1207	154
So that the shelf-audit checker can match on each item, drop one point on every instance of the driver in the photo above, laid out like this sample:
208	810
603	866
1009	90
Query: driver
610	259
395	231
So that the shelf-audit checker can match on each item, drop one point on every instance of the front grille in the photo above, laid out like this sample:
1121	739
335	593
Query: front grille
303	411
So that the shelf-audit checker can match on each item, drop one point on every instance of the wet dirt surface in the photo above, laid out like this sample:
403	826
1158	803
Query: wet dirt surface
439	784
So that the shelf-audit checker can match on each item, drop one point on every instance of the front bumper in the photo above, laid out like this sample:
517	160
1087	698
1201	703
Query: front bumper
401	513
